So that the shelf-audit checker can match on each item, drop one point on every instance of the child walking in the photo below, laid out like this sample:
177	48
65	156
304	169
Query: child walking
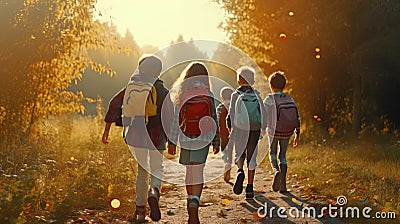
226	145
143	132
247	120
194	128
283	121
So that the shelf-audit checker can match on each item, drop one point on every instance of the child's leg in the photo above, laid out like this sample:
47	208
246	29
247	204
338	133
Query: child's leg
229	152
142	182
273	148
283	144
156	166
194	187
142	177
194	179
227	155
240	155
252	151
224	143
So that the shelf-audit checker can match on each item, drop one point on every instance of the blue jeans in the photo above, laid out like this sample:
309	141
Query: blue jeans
273	151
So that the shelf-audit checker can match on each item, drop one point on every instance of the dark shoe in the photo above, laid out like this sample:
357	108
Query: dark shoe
249	192
152	199
238	186
140	214
193	211
282	187
276	181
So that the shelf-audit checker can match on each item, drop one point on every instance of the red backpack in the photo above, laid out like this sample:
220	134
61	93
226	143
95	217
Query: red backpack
196	104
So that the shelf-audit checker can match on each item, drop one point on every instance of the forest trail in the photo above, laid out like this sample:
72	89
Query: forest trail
220	205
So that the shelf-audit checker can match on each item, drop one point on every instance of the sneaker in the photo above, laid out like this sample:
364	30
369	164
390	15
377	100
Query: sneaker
276	181
152	199
193	211
140	214
238	186
249	192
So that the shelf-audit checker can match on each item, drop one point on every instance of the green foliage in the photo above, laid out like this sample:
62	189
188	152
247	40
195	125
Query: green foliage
356	45
46	48
63	169
123	64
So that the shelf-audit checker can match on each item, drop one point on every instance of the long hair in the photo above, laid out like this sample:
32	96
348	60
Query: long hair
194	72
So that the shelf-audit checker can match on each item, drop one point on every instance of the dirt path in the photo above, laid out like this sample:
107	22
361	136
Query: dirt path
220	205
239	210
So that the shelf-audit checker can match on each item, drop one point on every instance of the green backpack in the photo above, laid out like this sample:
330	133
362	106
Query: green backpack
247	111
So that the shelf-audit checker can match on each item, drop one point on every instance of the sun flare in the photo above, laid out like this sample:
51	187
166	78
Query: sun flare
156	22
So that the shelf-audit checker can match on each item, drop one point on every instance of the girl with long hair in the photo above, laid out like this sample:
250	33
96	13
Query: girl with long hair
194	129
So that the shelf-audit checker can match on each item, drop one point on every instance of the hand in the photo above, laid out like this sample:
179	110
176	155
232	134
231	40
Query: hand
104	139
296	141
171	149
263	132
215	150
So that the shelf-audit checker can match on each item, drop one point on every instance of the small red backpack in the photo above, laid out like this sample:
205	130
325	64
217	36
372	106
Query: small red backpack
196	105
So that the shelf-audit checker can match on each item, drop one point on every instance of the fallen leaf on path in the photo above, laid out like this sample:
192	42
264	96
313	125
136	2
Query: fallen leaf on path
330	202
225	202
256	217
205	203
222	214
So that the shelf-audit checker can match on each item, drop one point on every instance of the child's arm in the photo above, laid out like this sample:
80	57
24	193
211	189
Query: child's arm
174	132
296	140
297	130
113	114
216	140
231	111
105	133
263	111
269	106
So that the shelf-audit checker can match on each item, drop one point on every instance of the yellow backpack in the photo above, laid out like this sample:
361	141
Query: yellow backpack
151	104
137	95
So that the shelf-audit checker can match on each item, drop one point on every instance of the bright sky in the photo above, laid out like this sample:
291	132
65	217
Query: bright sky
158	22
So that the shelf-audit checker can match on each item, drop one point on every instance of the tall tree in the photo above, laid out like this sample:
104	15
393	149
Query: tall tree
320	44
46	48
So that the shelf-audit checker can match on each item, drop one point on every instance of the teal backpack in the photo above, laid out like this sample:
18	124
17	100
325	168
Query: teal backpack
247	111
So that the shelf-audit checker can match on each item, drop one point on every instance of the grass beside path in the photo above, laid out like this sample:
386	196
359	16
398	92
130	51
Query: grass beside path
367	174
